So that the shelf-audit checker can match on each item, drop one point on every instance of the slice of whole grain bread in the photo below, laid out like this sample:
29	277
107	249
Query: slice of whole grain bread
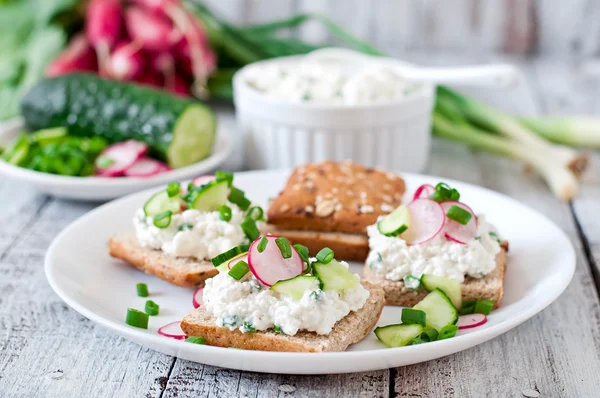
489	287
180	271
349	330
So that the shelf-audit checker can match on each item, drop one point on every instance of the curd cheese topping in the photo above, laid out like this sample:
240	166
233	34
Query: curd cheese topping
391	258
201	235
250	306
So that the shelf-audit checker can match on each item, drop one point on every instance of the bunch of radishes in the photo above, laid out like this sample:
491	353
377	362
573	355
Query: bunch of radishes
152	42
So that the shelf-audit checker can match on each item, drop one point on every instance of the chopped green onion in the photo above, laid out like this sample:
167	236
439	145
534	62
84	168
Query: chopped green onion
411	316
262	245
151	308
247	327
224	176
195	340
284	247
173	189
325	255
447	332
250	229
444	192
483	307
142	289
302	251
239	270
277	329
256	213
429	335
229	254
104	162
185	227
137	318
412	282
225	213
459	215
495	236
162	220
416	340
468	307
238	198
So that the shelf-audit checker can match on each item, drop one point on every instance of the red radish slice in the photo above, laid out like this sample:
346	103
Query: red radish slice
424	191
146	167
269	267
457	232
172	330
197	299
426	221
470	321
119	157
203	180
237	259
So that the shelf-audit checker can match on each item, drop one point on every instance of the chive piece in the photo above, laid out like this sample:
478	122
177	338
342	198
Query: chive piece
104	162
429	335
229	254
225	213
444	192
412	282
495	236
151	308
256	213
137	318
224	176
250	229
468	307
262	245
411	316
185	227
277	329
302	251
247	327
195	340
325	255
173	189
416	340
284	247
447	332
237	196
142	290
162	220
238	271
483	307
459	215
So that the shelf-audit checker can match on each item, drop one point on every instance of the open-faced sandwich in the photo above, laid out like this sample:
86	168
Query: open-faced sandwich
436	241
180	229
331	204
271	296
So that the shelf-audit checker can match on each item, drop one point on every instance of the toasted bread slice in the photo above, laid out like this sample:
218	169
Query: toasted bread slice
180	271
349	330
489	287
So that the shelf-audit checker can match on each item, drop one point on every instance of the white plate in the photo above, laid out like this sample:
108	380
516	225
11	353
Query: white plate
541	263
102	188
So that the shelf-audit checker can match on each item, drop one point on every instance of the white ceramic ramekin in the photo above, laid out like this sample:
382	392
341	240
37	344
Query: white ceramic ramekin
280	134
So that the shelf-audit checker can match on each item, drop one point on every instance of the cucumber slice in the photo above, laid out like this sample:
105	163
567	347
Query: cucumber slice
395	223
334	276
211	197
161	202
448	285
296	286
398	335
439	310
193	136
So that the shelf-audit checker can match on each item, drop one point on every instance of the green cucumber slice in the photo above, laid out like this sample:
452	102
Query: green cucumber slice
395	223
334	276
160	202
449	286
398	335
439	310
211	197
193	136
296	286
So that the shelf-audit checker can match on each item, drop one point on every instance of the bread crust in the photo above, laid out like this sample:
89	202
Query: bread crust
180	271
490	287
349	330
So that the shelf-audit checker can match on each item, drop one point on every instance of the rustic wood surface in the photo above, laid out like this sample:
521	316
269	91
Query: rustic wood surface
49	350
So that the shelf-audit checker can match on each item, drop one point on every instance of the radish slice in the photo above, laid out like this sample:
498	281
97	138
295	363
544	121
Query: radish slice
172	330
457	232
427	221
197	297
470	321
237	259
146	167
269	267
203	180
119	157
424	191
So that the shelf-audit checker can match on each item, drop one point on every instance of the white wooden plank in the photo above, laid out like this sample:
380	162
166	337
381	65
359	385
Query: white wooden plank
397	25
448	24
233	11
265	11
313	31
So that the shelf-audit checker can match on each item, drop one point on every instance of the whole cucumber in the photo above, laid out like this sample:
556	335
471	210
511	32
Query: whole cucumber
177	130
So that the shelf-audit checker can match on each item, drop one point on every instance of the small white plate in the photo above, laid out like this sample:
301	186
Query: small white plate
541	263
102	188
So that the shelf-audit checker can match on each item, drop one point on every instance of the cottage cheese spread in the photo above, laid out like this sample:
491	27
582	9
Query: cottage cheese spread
392	259
328	82
250	306
202	235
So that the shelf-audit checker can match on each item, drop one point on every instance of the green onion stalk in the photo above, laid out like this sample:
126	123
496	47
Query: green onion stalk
578	131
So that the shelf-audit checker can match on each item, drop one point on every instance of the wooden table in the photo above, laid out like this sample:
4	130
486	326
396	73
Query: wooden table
49	350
